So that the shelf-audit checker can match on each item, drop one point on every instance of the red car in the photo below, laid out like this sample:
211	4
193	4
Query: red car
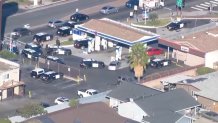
154	51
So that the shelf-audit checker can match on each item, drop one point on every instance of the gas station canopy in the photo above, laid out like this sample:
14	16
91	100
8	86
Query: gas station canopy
117	32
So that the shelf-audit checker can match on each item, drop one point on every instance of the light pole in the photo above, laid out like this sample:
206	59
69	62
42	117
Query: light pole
1	2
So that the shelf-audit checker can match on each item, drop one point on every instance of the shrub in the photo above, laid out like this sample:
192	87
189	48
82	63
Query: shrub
73	102
7	54
4	120
204	70
70	39
153	16
30	110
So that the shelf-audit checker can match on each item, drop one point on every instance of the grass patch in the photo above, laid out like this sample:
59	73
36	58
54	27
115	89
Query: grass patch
7	54
67	43
158	22
4	120
204	70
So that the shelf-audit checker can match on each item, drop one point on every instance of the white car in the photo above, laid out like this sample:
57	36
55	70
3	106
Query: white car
108	10
61	100
114	65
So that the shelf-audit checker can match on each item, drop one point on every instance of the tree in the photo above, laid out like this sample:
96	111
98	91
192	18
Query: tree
73	103
138	59
153	16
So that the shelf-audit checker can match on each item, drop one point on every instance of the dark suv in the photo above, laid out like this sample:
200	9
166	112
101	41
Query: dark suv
64	31
79	18
19	32
81	44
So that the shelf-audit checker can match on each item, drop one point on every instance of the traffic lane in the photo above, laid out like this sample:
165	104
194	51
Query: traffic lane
42	16
29	38
192	23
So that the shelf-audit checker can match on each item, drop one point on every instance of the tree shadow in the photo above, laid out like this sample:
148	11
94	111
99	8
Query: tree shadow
8	9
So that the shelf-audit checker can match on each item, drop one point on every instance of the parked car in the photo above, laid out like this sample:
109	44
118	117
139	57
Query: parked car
42	37
154	51
55	23
125	78
108	10
87	92
35	47
58	51
55	59
19	32
64	31
132	3
175	25
79	17
37	72
61	100
30	54
81	44
51	75
158	63
91	63
45	105
114	65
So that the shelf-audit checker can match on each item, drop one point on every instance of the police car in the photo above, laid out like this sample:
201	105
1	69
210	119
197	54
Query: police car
30	54
55	59
37	72
175	25
91	63
51	75
58	51
33	46
158	63
70	24
64	31
42	36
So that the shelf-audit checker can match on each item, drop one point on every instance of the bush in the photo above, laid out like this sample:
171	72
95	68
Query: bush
153	16
73	102
4	120
7	54
204	70
30	110
70	39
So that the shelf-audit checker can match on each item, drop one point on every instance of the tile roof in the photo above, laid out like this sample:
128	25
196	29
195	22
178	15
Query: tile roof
128	90
205	41
162	108
87	113
114	29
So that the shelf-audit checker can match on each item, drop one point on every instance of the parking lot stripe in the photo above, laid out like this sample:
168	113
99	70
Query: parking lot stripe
197	8
214	2
204	5
68	86
200	7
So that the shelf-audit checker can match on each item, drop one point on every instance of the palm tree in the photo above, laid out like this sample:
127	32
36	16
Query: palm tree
138	59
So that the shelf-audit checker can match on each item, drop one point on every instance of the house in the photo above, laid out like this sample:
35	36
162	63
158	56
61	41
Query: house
196	49
203	88
175	106
10	84
126	91
98	112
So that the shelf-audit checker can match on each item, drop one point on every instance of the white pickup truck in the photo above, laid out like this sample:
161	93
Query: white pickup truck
87	92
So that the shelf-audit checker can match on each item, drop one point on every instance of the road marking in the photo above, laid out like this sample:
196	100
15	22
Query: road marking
214	2
68	86
197	8
207	3
167	8
200	7
204	5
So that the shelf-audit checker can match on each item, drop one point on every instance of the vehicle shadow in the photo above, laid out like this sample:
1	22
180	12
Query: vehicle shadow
8	9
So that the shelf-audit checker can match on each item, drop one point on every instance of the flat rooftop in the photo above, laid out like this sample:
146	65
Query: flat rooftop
205	41
117	29
5	67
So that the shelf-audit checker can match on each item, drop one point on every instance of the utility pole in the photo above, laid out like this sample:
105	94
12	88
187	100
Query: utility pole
1	13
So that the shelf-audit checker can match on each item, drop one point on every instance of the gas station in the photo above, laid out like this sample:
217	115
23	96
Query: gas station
106	33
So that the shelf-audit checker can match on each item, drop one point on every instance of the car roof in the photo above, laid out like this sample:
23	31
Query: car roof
92	90
20	28
30	50
62	98
50	72
156	60
41	33
89	60
32	44
38	69
53	57
64	27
